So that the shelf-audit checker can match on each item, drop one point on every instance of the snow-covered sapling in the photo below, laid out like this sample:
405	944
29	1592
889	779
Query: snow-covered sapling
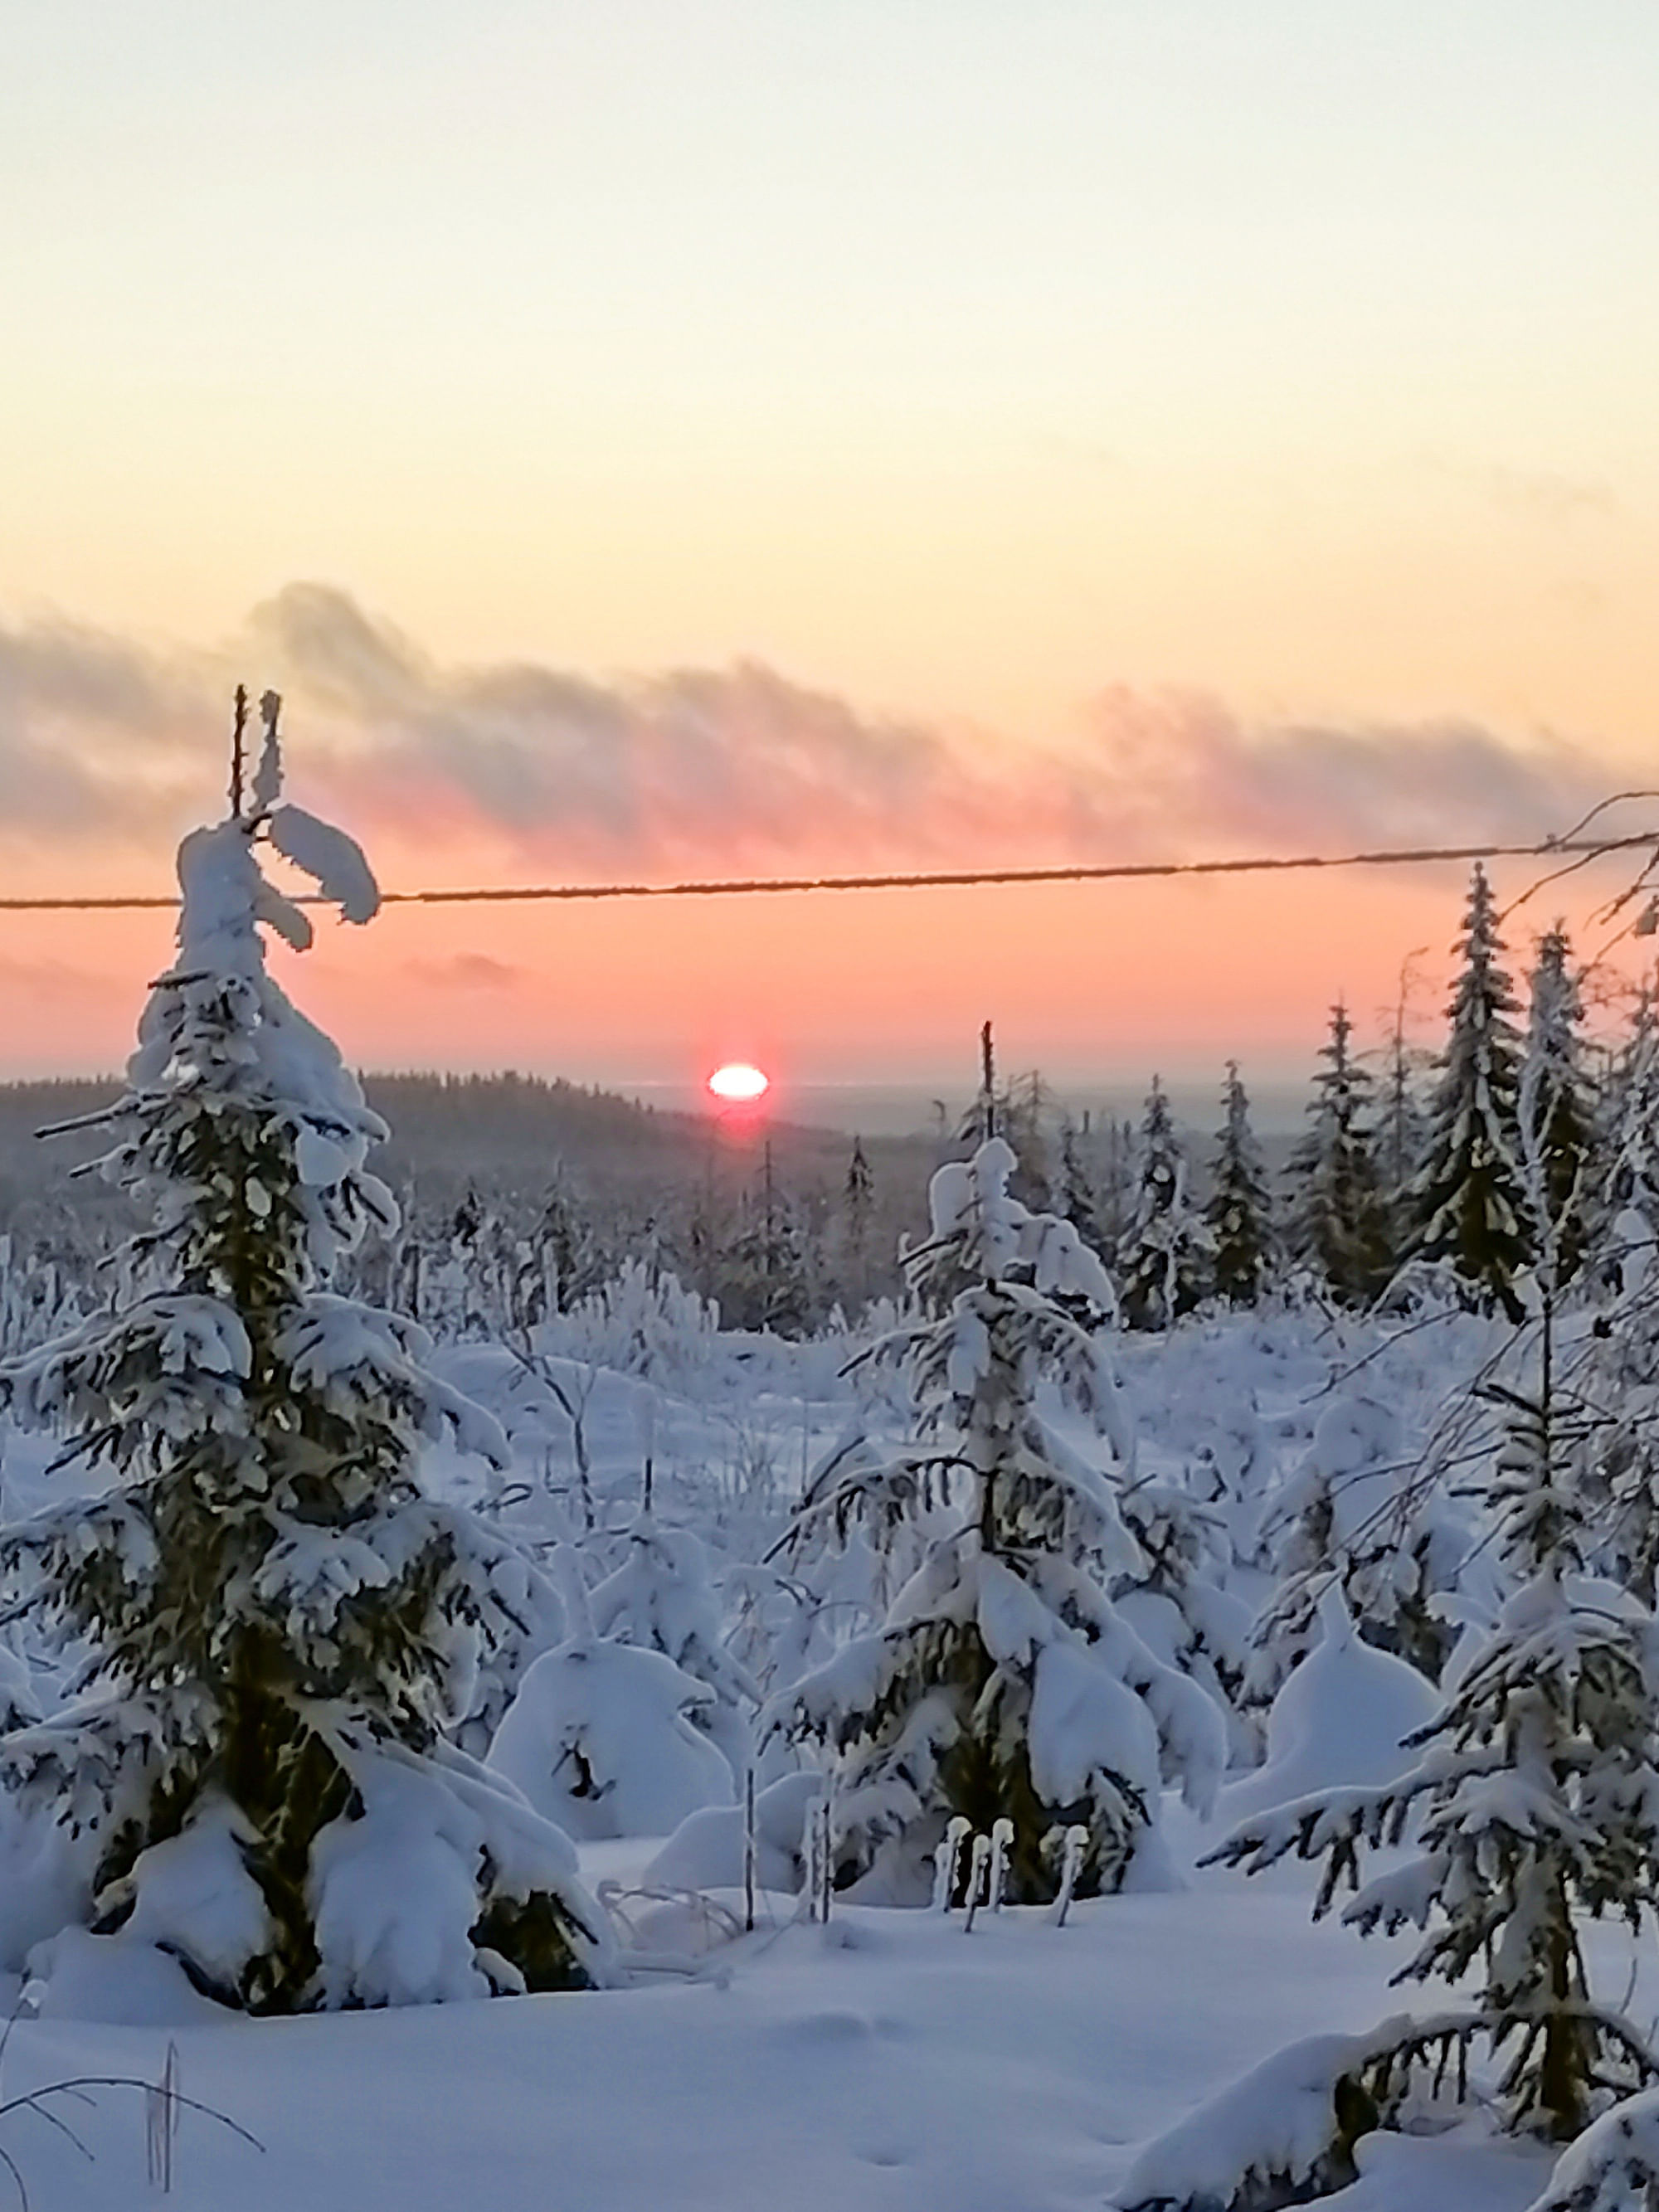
947	1862
1004	1681
979	1879
1002	1837
1165	1257
1073	1845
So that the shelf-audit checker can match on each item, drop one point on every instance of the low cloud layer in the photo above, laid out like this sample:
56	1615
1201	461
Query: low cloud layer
719	769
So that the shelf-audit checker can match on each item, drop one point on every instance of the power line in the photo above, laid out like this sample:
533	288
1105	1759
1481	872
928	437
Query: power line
941	879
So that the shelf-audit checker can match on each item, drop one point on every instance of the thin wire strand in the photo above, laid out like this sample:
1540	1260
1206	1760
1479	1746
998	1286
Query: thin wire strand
943	879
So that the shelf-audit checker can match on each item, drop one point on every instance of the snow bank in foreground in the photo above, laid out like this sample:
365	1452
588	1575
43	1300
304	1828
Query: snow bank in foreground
1280	2132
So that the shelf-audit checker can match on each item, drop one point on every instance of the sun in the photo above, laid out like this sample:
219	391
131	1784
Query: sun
739	1083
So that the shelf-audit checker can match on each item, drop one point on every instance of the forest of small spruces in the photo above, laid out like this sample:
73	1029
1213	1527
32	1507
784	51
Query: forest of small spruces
1054	1667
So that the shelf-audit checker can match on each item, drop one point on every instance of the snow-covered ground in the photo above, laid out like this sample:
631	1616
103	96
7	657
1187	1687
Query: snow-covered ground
890	2063
893	2061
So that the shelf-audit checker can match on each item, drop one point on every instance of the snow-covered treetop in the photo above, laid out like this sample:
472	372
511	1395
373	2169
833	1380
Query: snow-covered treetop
969	1203
218	1030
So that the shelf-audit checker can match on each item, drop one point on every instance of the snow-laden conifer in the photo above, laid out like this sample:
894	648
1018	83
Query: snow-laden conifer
1164	1255
1338	1224
1239	1213
1468	1205
1623	1201
1561	1103
1079	1200
1619	1363
1533	1799
1004	1682
279	1623
1176	1600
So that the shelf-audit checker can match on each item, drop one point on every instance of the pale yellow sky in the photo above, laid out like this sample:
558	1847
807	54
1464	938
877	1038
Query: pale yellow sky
966	362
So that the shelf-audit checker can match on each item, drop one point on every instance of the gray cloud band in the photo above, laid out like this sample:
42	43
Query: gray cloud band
100	737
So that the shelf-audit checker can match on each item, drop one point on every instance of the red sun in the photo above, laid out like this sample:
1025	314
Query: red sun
739	1083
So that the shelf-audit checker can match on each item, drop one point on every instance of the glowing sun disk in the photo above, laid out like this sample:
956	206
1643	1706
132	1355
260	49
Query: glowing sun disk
739	1083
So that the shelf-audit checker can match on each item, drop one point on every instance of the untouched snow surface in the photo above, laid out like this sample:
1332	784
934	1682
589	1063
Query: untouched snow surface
890	2063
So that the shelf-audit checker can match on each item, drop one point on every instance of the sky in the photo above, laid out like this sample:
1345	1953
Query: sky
686	437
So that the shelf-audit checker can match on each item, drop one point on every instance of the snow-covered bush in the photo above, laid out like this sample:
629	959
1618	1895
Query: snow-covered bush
707	1852
278	1622
1343	1717
661	1598
1284	2132
1358	1509
599	1738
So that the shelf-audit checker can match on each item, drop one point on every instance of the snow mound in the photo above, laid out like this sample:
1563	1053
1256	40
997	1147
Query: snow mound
1339	1721
597	1737
194	1897
706	1850
1614	2165
1275	2135
399	1884
117	1979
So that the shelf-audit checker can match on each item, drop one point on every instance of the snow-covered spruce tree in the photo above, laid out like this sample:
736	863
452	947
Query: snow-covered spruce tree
1466	1205
1565	1113
1004	1682
1400	1123
1626	1178
278	1622
1619	1472
1239	1213
1338	1224
1534	1799
1164	1255
1079	1201
858	1206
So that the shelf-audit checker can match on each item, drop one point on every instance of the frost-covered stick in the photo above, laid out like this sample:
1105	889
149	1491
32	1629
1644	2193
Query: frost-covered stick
238	739
826	1859
749	1849
648	1414
1077	1842
161	2108
979	1879
812	1862
947	1859
1002	1835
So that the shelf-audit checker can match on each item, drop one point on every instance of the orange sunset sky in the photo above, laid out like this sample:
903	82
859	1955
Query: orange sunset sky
666	439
